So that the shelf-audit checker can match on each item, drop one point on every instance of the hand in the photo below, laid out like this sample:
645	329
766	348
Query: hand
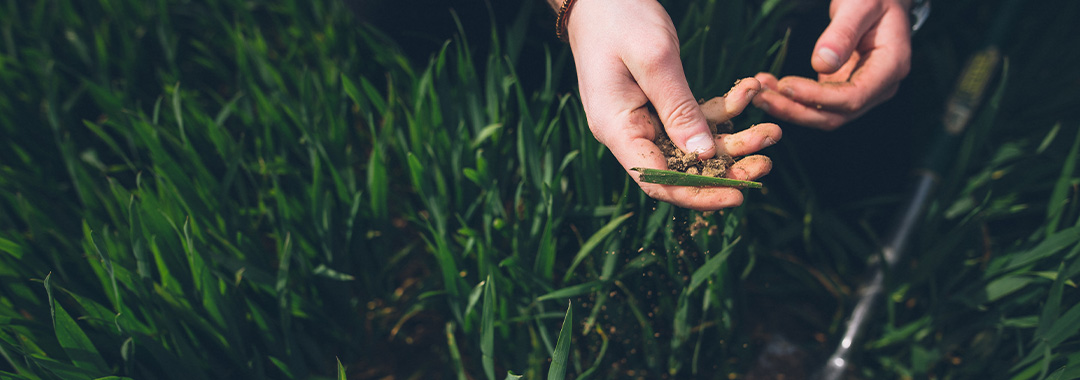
861	58
627	56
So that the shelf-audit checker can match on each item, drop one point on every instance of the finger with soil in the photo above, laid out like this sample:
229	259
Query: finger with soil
750	168
748	141
723	108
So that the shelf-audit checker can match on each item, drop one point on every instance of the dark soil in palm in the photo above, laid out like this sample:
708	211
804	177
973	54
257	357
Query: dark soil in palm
680	161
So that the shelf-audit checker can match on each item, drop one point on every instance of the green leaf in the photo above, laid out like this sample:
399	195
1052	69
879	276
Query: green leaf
545	255
1053	303
593	241
511	376
1059	197
378	182
712	266
485	133
1065	327
674	178
12	376
455	354
474	296
782	48
178	112
416	170
1002	287
1048	247
282	366
487	327
681	332
573	291
340	370
11	248
557	371
373	95
1069	371
76	344
61	369
324	271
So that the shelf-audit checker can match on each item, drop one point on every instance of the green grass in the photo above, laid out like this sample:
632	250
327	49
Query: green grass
229	189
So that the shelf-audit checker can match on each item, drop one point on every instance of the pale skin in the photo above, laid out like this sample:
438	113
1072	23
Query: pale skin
627	57
861	57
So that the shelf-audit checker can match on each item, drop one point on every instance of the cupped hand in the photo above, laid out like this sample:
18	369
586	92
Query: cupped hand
627	57
861	57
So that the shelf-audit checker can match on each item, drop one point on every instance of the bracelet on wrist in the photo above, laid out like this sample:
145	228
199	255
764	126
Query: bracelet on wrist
561	21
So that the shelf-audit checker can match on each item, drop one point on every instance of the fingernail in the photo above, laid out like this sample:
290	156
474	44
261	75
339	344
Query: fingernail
830	57
762	105
788	92
700	143
768	142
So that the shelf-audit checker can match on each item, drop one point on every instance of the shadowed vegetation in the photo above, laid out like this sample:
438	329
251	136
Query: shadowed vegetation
236	189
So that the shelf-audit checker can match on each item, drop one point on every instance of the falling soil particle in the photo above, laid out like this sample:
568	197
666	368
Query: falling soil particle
701	222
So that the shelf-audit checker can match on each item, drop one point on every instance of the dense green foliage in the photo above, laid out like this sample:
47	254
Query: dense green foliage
236	189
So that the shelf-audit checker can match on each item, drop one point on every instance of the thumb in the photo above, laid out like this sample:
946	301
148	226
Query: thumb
664	83
850	22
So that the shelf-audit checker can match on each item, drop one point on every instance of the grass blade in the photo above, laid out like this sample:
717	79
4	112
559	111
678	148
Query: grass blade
1059	197
711	267
455	354
82	352
781	55
557	371
487	327
573	291
593	242
670	177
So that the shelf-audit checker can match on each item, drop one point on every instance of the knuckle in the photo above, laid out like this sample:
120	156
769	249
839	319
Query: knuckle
681	115
848	34
853	106
832	124
656	54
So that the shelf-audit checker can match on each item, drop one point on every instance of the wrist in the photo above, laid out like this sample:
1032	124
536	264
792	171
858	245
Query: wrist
562	19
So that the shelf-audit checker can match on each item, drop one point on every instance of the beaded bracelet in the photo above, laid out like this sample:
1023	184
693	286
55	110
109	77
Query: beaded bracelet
560	23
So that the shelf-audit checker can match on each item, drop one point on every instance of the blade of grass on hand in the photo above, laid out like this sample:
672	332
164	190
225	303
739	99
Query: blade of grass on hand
669	177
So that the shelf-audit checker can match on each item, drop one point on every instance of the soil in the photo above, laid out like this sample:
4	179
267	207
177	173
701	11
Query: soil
680	161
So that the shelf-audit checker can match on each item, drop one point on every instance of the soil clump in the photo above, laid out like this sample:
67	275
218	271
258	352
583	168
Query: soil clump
686	162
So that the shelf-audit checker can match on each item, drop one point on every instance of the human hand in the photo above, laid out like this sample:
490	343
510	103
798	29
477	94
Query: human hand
627	57
861	57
